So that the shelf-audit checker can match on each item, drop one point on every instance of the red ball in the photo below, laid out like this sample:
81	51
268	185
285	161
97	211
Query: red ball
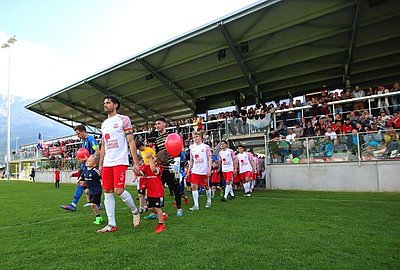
173	144
82	154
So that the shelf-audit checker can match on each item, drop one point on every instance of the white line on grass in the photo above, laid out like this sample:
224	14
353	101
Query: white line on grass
328	200
30	223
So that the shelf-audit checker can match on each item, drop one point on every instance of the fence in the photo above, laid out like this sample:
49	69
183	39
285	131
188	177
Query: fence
356	147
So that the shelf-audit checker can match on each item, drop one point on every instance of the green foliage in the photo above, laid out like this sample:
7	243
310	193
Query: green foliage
276	229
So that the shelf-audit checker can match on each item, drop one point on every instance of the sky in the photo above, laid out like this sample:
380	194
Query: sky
61	42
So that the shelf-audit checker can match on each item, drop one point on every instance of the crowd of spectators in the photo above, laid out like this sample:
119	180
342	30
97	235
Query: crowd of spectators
317	119
349	128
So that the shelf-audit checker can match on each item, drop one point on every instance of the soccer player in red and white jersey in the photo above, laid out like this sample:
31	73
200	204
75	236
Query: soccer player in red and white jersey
246	168
254	176
228	162
199	169
117	134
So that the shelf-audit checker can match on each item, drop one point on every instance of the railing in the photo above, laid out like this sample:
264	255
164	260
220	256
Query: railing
216	129
356	147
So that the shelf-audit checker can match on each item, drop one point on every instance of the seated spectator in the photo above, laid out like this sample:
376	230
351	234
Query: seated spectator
298	130
352	141
297	148
337	127
290	137
331	134
282	129
392	141
394	122
273	134
284	148
360	127
309	130
373	140
327	146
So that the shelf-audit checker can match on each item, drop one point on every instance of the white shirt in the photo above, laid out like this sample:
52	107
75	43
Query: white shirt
114	130
227	158
199	153
244	162
290	137
332	135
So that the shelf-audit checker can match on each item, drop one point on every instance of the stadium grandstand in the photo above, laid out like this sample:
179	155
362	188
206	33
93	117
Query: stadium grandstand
313	85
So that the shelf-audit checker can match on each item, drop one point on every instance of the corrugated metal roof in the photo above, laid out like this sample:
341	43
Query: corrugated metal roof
268	49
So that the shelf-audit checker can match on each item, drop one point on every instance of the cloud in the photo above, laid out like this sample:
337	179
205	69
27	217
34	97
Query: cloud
38	70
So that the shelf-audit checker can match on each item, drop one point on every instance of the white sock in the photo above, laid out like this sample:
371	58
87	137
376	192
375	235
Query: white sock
127	199
246	187
109	203
208	192
195	194
231	190
226	191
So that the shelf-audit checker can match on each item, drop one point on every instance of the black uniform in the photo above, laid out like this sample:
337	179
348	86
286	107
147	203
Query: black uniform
167	176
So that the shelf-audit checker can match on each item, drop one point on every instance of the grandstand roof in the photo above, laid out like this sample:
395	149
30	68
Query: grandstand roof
265	50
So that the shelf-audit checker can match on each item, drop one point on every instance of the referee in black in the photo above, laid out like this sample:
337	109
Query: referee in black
167	176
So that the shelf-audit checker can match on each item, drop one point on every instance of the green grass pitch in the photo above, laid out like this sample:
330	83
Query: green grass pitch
271	230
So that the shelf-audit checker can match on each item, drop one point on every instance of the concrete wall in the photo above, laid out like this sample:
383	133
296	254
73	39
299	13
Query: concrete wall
375	176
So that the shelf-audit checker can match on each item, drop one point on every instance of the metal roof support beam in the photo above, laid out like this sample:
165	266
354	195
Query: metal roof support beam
353	41
166	82
108	92
66	103
51	118
242	64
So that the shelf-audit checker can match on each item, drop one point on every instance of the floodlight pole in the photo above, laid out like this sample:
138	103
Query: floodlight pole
8	44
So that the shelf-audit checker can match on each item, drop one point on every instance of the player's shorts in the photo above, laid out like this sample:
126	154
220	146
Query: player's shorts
114	177
245	175
228	176
188	180
155	202
95	198
236	179
199	179
215	184
255	176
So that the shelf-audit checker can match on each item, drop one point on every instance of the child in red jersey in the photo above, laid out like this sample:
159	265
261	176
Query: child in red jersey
57	177
154	186
215	178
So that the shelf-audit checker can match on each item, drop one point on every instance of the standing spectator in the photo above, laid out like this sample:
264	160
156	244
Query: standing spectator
370	92
325	109
383	103
32	175
396	99
338	107
57	177
357	93
348	106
